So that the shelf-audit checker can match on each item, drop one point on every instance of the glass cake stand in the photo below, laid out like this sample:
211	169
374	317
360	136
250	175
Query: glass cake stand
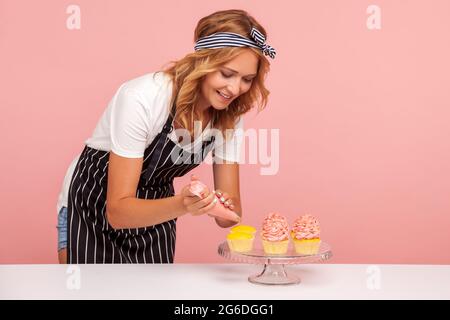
274	272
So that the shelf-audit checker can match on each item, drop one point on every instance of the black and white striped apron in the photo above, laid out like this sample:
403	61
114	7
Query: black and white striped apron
91	239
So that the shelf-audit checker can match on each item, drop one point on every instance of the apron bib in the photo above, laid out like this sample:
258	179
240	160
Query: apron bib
90	237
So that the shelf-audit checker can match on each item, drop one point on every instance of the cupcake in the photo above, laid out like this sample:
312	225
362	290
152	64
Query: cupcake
240	241
243	228
306	235
275	234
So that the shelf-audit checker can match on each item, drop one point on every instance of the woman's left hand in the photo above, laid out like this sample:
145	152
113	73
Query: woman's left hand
225	199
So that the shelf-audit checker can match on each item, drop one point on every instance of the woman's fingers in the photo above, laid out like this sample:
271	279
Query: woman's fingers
206	201
188	194
225	198
208	207
200	204
228	203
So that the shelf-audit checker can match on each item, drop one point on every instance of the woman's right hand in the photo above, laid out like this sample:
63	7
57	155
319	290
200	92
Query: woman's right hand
195	205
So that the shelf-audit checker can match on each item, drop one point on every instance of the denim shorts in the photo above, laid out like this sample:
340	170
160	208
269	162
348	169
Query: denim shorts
62	228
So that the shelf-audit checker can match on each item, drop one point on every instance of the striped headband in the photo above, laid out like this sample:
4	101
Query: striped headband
230	39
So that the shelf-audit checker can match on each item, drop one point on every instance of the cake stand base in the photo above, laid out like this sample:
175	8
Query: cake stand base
274	274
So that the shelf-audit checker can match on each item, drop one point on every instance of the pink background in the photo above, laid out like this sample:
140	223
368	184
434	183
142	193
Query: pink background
363	118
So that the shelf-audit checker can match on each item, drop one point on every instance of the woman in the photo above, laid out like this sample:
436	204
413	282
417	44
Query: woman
121	203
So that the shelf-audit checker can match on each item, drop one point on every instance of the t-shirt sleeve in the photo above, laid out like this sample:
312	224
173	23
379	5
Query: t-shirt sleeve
230	149
129	124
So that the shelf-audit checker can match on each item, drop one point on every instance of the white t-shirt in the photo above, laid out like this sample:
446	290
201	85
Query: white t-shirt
133	118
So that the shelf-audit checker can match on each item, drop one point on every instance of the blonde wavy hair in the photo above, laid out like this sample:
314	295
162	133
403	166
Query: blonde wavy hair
188	73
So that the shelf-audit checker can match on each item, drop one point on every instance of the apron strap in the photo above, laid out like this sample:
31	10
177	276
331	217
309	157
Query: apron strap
156	155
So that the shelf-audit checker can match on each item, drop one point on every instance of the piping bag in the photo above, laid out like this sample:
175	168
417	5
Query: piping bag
219	210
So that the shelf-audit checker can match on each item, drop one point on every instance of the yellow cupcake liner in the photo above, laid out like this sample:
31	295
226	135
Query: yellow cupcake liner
240	245
275	247
240	241
307	246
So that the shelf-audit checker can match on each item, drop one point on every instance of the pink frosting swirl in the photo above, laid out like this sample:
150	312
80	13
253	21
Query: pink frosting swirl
306	227
275	228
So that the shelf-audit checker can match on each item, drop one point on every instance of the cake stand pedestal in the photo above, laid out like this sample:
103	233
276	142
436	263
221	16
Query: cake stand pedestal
274	271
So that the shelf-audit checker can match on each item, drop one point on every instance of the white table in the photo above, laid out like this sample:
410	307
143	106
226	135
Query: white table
222	281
